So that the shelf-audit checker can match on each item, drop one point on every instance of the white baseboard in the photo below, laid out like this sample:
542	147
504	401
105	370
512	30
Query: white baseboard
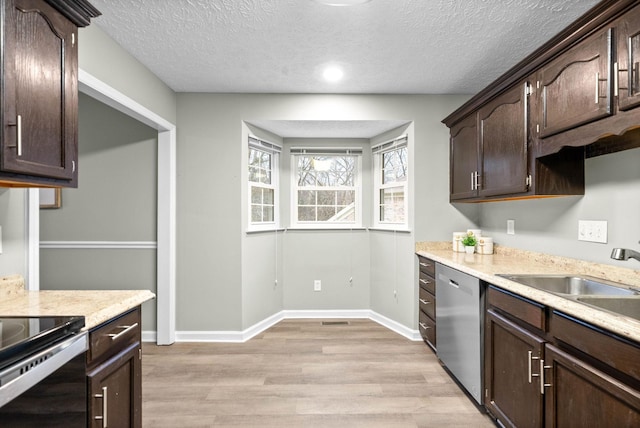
254	330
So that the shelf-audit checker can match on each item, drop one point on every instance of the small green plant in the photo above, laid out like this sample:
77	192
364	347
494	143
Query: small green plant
470	240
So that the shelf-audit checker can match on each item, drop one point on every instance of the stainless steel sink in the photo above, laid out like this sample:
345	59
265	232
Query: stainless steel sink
572	285
628	306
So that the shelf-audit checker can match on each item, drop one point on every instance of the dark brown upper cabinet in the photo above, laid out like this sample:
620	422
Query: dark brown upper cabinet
575	87
39	145
585	83
503	133
627	68
464	159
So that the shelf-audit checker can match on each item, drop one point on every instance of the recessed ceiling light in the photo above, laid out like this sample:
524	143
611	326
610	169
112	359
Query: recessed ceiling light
342	2
332	73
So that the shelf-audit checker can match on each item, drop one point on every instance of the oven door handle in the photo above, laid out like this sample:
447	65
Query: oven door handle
37	367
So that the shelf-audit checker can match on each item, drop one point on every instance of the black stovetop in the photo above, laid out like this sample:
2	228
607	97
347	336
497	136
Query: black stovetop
22	336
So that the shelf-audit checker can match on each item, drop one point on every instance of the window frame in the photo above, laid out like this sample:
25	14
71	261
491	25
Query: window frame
274	151
357	153
378	186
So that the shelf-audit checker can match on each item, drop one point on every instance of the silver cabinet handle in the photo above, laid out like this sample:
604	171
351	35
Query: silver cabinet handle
103	418
530	363
424	281
473	181
19	134
477	180
597	88
127	328
542	384
424	264
615	79
424	326
424	302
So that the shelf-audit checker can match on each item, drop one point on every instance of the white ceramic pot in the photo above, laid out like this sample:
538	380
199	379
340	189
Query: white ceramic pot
470	249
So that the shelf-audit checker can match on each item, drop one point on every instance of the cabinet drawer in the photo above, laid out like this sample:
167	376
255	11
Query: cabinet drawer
110	338
427	328
427	282
428	303
427	266
524	310
614	351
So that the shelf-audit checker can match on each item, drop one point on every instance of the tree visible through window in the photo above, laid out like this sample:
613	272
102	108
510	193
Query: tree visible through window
326	188
263	172
391	174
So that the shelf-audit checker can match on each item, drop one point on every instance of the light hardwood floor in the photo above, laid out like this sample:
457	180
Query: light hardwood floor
301	373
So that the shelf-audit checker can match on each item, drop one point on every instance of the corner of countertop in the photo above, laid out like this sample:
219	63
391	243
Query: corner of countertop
11	285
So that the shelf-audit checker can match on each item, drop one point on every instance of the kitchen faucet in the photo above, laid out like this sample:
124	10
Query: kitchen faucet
625	254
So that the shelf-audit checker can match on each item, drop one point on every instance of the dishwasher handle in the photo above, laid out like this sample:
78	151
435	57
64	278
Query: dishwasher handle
453	283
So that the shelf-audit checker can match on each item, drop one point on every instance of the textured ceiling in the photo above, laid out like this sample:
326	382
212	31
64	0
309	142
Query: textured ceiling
384	46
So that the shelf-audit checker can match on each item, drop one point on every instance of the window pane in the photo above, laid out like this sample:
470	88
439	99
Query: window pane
333	171
306	197
345	197
256	195
326	197
259	166
392	205
394	166
256	213
267	213
325	213
306	214
267	195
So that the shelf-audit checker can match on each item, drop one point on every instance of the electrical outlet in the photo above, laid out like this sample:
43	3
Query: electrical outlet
317	285
592	231
511	227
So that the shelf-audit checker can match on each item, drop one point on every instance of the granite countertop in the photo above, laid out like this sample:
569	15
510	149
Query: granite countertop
97	306
514	261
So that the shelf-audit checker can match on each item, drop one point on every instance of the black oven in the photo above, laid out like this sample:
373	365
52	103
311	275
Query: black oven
43	372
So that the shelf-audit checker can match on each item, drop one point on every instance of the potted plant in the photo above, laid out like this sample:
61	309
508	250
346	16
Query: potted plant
470	243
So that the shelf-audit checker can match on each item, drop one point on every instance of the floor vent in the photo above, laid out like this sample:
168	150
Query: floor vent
335	322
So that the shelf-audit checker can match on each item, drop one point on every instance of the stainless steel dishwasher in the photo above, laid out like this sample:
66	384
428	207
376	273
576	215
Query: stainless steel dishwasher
459	326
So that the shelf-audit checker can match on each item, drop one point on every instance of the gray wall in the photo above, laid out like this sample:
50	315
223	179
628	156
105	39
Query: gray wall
100	56
219	265
12	219
115	201
612	193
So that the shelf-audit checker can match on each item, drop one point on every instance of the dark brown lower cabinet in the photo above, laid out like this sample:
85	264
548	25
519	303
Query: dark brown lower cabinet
112	388
512	381
114	368
579	395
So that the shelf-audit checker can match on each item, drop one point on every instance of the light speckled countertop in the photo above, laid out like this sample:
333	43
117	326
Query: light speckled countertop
514	261
97	306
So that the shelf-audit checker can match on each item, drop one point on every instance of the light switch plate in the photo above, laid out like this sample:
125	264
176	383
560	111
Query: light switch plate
317	285
592	231
511	227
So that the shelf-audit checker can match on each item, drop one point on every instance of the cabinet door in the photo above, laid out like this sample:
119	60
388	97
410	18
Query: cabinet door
579	395
512	367
114	391
503	144
628	78
40	91
464	159
575	87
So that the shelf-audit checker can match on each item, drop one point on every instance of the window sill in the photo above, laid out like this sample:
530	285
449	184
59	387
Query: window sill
384	229
252	232
323	229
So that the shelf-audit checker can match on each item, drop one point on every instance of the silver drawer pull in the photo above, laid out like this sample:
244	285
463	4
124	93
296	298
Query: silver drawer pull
424	281
127	328
424	264
424	302
424	326
103	418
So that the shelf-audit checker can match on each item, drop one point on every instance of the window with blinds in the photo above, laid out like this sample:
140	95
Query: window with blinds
326	187
391	169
